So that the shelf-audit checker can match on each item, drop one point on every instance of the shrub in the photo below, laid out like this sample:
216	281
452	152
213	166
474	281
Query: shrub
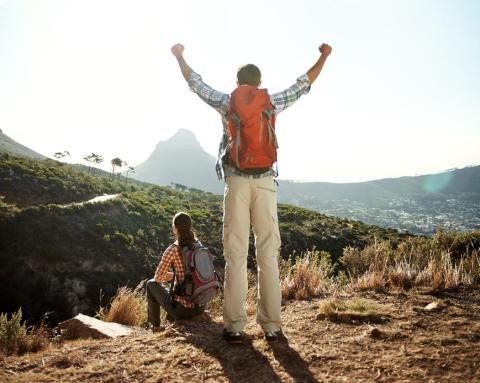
128	307
374	257
14	337
371	280
402	275
309	276
37	340
11	331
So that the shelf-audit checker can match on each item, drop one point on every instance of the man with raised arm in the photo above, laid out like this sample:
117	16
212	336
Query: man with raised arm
245	161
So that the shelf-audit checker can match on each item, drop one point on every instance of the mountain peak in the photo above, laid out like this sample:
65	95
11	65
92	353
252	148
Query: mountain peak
183	135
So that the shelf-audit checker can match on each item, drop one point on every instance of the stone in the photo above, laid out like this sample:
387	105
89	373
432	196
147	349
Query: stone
434	306
84	326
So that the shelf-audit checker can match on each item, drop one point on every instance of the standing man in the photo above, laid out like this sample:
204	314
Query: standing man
250	194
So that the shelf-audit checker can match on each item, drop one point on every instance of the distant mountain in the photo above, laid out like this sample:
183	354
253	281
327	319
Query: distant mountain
180	160
7	145
456	183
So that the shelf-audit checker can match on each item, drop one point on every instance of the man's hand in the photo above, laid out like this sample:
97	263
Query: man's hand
325	49
177	50
315	70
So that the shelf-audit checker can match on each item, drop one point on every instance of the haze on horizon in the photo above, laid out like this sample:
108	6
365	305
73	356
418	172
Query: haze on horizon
400	94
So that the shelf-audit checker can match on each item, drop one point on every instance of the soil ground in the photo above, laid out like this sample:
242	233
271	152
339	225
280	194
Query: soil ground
409	344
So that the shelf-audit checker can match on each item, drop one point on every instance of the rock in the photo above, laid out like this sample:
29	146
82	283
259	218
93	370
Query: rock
434	306
83	326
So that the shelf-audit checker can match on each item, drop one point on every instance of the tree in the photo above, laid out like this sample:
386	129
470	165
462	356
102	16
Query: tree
98	159
130	169
89	159
60	155
92	157
116	162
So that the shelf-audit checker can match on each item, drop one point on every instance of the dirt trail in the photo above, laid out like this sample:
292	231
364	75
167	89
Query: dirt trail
101	198
410	345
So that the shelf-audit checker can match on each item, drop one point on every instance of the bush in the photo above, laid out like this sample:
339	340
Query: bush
443	261
128	307
309	276
14	337
11	332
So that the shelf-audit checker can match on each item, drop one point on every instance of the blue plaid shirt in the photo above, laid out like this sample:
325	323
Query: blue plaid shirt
221	103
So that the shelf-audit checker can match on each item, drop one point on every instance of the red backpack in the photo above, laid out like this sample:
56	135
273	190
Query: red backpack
251	129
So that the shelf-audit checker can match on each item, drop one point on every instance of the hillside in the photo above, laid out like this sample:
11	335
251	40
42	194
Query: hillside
420	204
409	344
12	147
73	252
28	182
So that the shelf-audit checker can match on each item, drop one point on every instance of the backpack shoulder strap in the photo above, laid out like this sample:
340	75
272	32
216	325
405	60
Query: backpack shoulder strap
186	268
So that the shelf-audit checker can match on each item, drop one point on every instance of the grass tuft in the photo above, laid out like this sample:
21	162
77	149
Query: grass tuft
348	311
308	276
128	307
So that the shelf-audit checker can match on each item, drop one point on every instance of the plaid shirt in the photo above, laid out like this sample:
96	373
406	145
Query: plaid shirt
221	103
172	257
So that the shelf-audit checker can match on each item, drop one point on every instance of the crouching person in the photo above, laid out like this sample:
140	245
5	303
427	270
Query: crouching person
159	296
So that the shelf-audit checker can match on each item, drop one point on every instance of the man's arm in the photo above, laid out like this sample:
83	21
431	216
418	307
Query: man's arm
282	100
218	100
315	70
177	51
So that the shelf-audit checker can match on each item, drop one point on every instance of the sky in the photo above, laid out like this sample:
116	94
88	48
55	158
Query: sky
399	95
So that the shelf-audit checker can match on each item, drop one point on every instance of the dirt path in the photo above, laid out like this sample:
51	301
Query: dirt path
101	198
411	345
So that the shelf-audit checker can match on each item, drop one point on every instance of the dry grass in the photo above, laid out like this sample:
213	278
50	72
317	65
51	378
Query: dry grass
355	309
37	340
371	280
128	307
436	263
402	276
308	276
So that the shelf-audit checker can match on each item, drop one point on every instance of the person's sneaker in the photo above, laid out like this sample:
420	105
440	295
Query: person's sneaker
274	336
232	337
158	328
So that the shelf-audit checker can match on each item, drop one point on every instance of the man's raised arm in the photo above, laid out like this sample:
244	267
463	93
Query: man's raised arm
177	51
315	70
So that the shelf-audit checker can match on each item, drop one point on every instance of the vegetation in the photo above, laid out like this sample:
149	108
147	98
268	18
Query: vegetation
72	251
307	276
444	261
128	307
28	182
350	310
14	338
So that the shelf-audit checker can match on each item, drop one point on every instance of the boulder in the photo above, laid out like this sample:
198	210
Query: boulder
84	326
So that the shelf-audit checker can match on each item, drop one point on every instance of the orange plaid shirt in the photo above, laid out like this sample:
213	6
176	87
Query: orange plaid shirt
172	258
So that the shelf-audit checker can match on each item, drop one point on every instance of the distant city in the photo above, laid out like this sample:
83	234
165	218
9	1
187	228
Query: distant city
406	215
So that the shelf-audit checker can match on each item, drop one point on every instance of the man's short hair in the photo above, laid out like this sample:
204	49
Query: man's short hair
249	75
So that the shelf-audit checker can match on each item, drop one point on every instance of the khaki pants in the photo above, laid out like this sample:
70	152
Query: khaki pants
251	201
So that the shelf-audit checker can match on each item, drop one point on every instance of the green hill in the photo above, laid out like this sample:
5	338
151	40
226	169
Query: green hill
9	146
59	257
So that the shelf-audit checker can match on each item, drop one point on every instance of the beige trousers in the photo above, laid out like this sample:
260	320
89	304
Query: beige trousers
249	201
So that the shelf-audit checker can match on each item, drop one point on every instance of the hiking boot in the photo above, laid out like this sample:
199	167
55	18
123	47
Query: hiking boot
232	337
274	336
